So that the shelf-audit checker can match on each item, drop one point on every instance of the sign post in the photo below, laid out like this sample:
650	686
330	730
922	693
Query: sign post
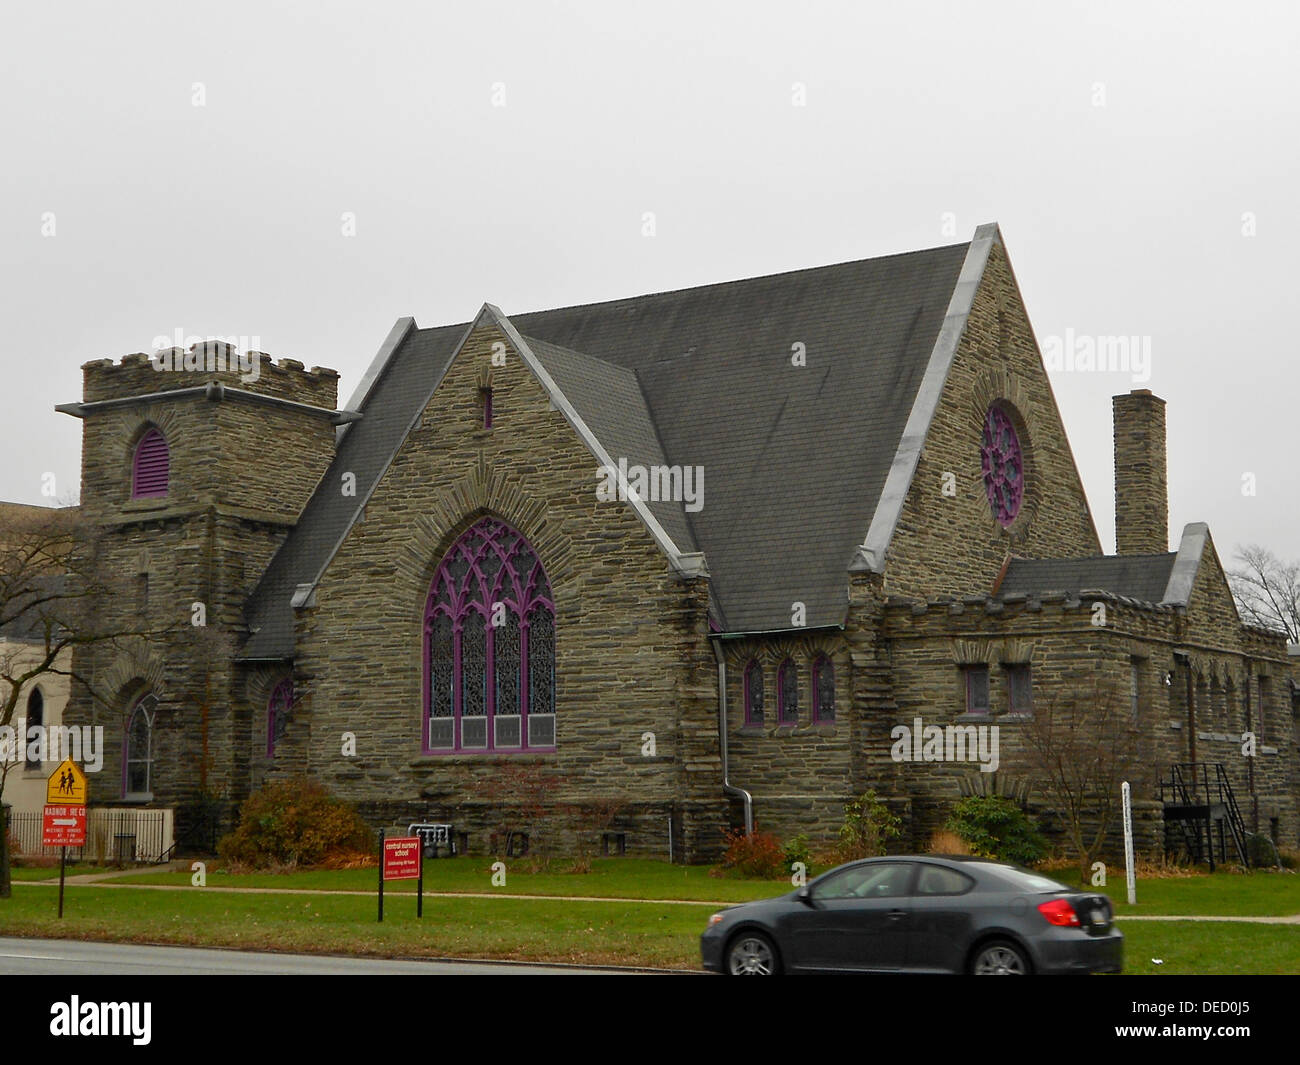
64	822
402	858
1130	874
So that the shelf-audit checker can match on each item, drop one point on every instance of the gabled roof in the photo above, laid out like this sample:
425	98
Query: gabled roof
795	457
1141	577
1163	579
393	401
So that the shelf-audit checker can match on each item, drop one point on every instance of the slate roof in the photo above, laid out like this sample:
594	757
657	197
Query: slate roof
795	458
1142	577
365	449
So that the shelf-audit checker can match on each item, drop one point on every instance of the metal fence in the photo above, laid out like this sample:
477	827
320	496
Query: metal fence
115	836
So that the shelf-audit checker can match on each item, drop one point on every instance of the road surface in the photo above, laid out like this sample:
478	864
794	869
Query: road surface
46	957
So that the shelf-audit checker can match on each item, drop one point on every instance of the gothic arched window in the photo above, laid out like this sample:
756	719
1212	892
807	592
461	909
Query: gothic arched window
753	693
489	646
277	714
787	693
823	691
35	716
1003	465
137	749
150	467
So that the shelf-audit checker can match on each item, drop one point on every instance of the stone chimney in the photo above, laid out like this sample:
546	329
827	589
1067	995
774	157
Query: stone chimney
1141	482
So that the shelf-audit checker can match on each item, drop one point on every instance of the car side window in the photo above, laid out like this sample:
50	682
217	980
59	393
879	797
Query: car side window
883	880
937	880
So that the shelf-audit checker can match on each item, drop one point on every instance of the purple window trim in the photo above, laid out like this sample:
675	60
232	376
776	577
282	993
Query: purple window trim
277	713
480	570
150	713
787	685
823	674
753	677
151	466
1002	462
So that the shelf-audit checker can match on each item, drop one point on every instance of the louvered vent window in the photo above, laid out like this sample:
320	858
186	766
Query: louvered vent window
149	477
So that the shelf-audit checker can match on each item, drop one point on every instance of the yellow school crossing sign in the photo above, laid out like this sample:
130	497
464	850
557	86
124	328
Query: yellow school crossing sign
66	786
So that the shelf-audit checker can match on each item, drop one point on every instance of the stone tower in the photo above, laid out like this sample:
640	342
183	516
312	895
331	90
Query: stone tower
194	469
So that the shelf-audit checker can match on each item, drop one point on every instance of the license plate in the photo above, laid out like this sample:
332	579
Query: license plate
1099	918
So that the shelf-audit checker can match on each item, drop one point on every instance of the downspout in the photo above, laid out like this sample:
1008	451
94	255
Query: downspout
727	787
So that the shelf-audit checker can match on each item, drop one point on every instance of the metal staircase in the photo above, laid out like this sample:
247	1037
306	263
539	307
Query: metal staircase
1199	800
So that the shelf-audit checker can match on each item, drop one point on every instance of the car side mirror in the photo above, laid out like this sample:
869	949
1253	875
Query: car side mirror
804	895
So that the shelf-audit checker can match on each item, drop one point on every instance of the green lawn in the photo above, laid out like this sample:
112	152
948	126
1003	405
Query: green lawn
621	878
622	933
52	873
1258	894
631	933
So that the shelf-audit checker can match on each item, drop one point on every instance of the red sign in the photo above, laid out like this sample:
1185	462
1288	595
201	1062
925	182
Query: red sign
402	858
64	826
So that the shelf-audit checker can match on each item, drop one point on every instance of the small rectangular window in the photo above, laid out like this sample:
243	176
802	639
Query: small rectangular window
1020	697
1135	689
485	396
977	689
1265	706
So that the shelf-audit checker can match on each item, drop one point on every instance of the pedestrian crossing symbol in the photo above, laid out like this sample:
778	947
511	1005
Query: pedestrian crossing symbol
67	785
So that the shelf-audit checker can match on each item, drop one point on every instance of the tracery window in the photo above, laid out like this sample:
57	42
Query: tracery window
489	646
137	749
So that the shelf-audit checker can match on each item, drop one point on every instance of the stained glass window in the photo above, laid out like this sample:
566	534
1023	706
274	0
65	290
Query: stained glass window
823	691
489	652
137	750
1003	466
753	693
787	688
277	715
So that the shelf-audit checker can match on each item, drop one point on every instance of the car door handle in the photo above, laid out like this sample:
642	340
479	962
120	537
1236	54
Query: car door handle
896	915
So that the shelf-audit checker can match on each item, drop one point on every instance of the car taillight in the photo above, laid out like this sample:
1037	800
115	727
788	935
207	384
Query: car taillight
1059	912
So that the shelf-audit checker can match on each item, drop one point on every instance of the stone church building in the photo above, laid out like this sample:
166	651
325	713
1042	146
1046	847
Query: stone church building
695	556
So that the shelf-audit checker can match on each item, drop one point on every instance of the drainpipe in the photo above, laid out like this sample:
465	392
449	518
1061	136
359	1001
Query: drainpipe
727	786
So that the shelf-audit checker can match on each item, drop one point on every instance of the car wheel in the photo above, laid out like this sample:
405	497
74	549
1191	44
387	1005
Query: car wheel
752	954
1000	958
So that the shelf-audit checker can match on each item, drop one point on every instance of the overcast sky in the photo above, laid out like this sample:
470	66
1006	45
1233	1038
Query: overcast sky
196	162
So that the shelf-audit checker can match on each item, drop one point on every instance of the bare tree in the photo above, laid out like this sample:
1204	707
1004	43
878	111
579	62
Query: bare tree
1081	747
51	601
1267	590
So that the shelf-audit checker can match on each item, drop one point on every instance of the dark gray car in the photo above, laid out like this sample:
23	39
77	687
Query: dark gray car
919	914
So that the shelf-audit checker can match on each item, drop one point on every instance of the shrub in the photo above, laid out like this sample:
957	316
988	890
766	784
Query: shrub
759	854
294	823
946	841
867	829
796	850
995	827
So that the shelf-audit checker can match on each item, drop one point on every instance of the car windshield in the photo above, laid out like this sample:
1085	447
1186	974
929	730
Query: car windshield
1027	881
